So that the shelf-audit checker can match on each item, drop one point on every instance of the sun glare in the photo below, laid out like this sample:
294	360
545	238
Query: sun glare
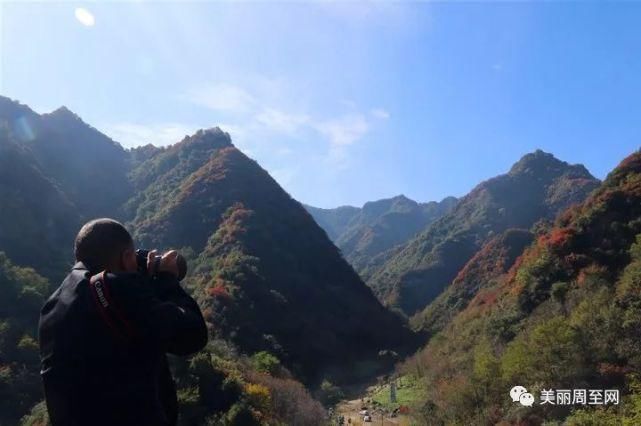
85	17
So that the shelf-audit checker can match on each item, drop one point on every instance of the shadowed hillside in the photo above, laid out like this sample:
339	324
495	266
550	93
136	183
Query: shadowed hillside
78	158
364	234
492	261
281	302
270	277
537	187
36	217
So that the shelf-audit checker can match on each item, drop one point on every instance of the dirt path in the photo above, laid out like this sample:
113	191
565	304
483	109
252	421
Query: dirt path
351	411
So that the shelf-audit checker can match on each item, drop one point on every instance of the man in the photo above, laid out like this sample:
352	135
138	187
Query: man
105	332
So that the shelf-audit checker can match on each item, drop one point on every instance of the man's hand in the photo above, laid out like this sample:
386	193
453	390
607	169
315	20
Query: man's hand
168	263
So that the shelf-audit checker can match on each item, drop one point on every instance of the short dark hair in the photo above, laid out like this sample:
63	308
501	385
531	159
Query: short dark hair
100	242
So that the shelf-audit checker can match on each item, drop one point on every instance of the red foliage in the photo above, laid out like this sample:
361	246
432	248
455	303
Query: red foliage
632	161
234	225
488	262
218	291
557	238
486	298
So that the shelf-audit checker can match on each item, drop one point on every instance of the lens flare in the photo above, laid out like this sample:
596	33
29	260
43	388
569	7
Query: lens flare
23	129
85	17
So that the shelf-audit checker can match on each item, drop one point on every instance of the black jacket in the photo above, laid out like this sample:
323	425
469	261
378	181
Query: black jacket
103	345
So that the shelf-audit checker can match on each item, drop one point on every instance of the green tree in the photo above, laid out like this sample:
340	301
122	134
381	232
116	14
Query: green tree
551	353
265	362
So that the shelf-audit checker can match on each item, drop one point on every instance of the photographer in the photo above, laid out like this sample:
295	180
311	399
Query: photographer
105	332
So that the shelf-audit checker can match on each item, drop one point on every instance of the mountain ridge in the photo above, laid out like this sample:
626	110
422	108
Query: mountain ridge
364	233
178	196
566	311
539	186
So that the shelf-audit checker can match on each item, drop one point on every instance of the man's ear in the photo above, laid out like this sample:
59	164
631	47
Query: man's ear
127	260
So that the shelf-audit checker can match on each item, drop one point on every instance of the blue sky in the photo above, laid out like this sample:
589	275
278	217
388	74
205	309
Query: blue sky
343	102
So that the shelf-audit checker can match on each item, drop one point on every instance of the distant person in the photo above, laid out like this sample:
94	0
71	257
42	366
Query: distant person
105	332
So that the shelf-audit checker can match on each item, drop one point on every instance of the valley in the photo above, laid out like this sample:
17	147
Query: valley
533	277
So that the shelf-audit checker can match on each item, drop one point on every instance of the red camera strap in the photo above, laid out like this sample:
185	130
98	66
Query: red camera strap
110	313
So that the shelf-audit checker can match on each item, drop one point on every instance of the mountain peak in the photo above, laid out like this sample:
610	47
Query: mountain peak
401	197
63	111
11	109
213	137
540	162
536	159
63	117
539	186
387	202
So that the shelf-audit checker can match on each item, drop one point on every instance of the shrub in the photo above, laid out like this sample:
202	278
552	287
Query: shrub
37	417
330	394
551	353
265	362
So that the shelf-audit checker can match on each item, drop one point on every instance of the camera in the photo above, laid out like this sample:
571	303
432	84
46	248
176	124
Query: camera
141	259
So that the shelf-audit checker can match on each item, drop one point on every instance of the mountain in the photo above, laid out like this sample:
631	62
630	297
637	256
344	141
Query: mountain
333	221
490	263
282	303
567	314
364	233
55	172
536	188
36	216
258	253
78	158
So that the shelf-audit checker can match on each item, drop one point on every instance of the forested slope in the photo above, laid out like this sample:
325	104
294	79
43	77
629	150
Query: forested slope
282	304
565	316
537	187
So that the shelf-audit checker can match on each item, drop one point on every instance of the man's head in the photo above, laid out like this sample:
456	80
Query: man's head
105	244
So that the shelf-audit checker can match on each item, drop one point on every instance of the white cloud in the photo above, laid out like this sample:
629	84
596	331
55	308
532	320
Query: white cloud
252	113
380	113
222	97
280	121
132	135
344	131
